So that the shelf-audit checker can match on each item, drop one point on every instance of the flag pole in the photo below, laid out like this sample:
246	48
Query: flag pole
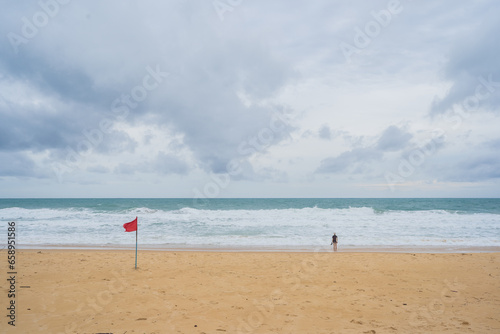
136	244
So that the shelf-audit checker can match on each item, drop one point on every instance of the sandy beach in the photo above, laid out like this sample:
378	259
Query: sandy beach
99	291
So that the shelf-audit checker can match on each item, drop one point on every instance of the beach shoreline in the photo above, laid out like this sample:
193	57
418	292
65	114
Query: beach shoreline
292	249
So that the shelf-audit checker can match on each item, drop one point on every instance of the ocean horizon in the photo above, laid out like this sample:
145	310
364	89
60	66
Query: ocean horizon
256	223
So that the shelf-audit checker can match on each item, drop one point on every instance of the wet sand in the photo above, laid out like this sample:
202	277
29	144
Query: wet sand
99	291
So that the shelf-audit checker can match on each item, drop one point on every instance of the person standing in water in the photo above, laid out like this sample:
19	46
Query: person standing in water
334	241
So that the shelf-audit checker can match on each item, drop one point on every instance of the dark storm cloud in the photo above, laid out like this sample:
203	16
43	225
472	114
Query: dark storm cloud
477	163
475	168
325	133
53	76
31	127
393	139
163	163
18	165
473	66
364	159
168	163
354	161
481	168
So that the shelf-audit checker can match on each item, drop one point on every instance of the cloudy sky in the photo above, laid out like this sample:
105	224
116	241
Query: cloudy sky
240	98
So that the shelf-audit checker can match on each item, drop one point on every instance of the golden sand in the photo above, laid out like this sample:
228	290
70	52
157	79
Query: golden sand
94	291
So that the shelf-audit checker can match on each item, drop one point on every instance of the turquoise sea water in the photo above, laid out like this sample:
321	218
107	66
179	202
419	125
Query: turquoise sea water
282	223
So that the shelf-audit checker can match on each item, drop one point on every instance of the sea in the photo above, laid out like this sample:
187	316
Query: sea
255	223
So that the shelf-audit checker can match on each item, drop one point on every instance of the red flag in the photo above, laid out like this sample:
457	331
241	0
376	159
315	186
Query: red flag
132	226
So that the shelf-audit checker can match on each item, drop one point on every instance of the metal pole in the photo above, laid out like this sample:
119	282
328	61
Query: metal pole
136	244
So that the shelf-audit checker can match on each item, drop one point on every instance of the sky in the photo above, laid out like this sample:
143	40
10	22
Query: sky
239	98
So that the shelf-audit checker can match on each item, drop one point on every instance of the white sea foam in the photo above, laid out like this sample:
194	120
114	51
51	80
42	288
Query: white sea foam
276	227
